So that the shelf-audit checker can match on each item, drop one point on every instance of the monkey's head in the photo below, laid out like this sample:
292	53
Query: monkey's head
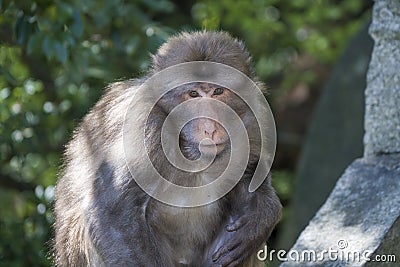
211	46
201	133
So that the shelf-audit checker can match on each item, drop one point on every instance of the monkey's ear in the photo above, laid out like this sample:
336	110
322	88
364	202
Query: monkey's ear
153	58
263	87
156	61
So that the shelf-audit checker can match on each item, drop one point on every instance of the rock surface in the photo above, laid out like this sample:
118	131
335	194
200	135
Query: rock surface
382	120
361	210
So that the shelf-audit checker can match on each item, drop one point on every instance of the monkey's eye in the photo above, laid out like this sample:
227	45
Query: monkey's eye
218	91
193	93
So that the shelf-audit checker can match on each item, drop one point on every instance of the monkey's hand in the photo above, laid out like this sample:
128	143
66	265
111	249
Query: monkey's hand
240	238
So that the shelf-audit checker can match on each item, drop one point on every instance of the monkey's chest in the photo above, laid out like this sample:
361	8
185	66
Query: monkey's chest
184	233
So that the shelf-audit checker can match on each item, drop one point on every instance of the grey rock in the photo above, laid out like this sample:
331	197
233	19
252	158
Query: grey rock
362	208
382	118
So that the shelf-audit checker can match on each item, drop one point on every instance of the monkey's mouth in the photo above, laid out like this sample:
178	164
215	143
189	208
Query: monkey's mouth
210	147
213	144
192	149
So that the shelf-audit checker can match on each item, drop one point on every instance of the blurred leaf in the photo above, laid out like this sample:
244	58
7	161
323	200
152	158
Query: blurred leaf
61	52
48	47
77	25
21	29
33	43
64	9
160	5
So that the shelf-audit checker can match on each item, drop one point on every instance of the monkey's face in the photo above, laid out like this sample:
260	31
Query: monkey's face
198	124
204	134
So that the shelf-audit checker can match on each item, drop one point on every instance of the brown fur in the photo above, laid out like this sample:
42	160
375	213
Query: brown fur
104	219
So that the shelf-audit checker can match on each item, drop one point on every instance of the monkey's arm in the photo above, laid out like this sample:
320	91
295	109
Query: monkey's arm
123	238
254	215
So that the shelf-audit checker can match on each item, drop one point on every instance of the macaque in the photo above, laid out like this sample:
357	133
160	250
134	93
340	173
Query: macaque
102	216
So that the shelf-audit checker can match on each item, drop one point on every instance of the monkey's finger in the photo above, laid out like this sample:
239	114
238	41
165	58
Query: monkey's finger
236	224
225	249
235	263
232	258
222	250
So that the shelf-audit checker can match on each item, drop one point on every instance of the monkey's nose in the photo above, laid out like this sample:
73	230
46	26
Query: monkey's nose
209	129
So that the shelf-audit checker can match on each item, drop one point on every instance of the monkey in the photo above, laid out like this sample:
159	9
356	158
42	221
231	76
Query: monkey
102	216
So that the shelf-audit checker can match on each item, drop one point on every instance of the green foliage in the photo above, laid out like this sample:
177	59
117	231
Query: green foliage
279	32
55	56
